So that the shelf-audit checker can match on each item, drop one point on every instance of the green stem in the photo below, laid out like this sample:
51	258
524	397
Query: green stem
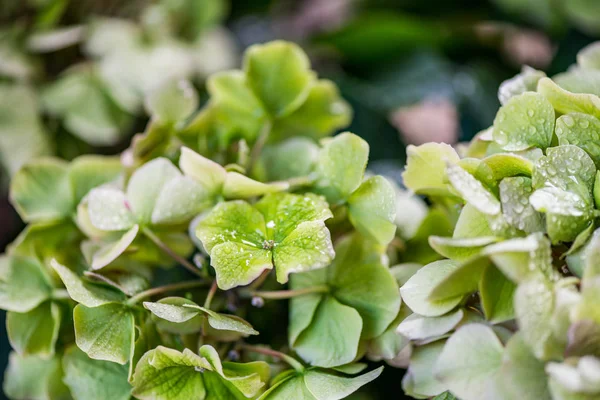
299	181
210	295
274	353
167	250
288	294
163	289
263	136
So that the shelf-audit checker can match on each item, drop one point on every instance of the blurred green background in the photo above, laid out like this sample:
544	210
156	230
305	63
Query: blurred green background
413	70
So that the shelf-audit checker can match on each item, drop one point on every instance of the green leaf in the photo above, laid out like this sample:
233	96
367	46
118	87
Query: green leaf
525	121
516	207
566	102
418	327
415	293
109	210
389	344
470	361
89	171
525	81
323	112
165	373
34	378
24	283
521	374
94	379
41	190
106	332
333	335
34	332
372	209
426	168
472	190
82	291
472	224
505	165
172	101
226	322
208	173
146	185
302	308
419	380
589	57
111	251
581	130
496	293
460	249
565	167
279	75
341	166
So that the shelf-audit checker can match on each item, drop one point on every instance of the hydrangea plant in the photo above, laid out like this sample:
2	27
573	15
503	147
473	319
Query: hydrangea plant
512	309
156	274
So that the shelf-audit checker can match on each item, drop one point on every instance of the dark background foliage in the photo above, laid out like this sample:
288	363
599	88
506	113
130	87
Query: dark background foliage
387	57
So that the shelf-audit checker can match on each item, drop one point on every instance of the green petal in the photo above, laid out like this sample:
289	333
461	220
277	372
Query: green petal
90	379
581	130
41	190
372	209
506	164
293	388
295	157
461	281
235	106
302	308
365	285
418	327
226	322
525	81
426	168
564	167
238	264
90	171
233	221
238	186
279	75
419	380
111	251
460	249
473	191
208	173
172	102
469	363
180	200
324	386
283	212
106	332
341	166
82	291
333	336
566	102
589	57
24	283
36	331
307	247
516	208
170	315
109	210
146	184
496	293
323	112
521	374
415	293
33	377
525	121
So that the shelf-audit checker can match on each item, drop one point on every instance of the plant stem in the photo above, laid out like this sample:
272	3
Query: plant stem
274	353
299	181
263	136
167	250
288	294
162	289
211	294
